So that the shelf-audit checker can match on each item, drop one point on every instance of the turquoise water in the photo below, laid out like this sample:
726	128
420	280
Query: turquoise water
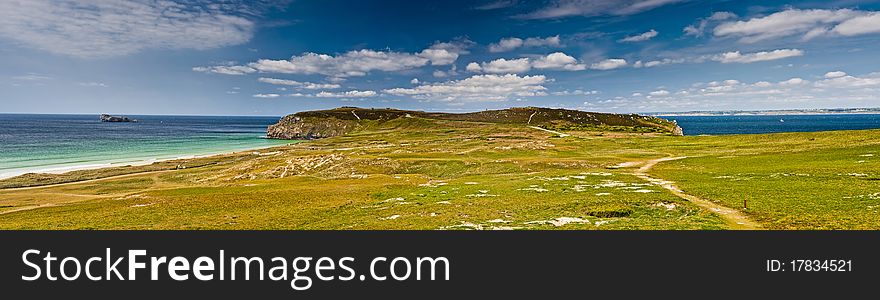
56	143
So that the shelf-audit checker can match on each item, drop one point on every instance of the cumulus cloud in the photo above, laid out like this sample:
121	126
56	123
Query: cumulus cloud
808	24
446	53
512	43
348	94
266	95
348	64
737	57
297	84
609	64
96	29
558	61
566	8
505	66
841	80
487	87
552	61
473	67
506	44
835	74
793	81
640	37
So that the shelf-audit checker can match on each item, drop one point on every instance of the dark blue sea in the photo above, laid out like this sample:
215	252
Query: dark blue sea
65	142
715	125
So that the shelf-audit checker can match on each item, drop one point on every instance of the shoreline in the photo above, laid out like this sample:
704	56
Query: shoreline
134	162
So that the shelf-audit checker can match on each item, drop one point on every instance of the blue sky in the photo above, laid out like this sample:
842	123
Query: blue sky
273	58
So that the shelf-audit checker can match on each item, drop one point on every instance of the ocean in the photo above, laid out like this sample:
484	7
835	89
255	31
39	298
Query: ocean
57	143
717	125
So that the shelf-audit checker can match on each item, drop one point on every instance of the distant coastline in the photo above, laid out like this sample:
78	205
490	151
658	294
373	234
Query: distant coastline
781	112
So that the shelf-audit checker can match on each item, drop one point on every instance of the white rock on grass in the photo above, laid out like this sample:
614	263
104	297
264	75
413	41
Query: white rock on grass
561	221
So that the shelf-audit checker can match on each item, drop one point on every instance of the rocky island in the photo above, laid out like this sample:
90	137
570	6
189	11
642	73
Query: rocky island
318	124
109	118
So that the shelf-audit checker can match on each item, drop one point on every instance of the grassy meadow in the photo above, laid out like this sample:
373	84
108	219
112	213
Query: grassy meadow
414	173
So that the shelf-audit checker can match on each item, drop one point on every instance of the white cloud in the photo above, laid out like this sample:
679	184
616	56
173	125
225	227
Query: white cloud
512	43
567	8
575	93
552	61
808	24
737	57
473	67
835	90
659	93
506	44
497	5
835	74
550	41
609	64
348	94
303	85
700	28
793	81
730	82
352	63
487	87
93	84
640	37
559	61
505	66
414	81
95	29
31	77
266	95
227	70
656	63
441	54
865	24
840	80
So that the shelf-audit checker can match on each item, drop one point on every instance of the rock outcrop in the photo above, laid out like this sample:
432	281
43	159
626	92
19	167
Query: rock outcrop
293	127
109	118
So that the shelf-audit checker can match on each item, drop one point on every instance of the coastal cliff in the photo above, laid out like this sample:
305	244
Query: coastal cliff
293	127
339	121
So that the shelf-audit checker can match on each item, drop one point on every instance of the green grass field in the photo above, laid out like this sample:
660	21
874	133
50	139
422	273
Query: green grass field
414	173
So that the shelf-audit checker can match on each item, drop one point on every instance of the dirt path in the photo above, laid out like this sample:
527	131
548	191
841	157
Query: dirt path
732	217
550	131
